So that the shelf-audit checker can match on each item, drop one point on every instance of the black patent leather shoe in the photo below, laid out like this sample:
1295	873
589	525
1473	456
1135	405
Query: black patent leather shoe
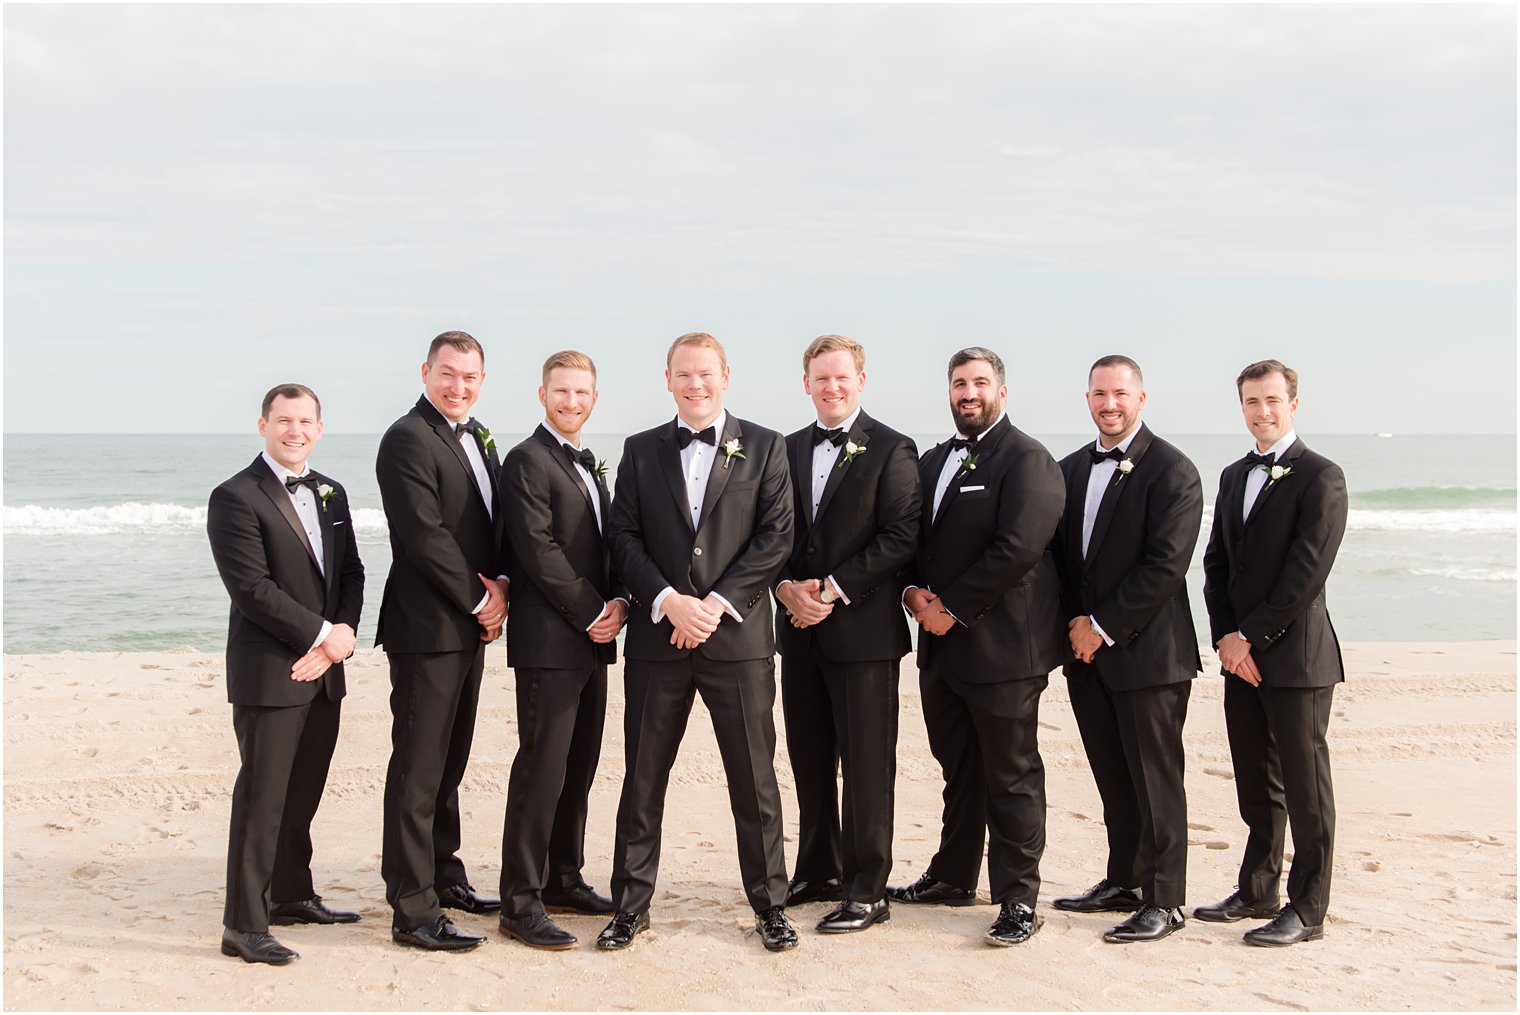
1103	897
1151	923
1016	923
622	930
927	891
256	946
1287	928
776	931
800	892
439	936
310	910
853	916
1237	908
462	896
537	931
579	898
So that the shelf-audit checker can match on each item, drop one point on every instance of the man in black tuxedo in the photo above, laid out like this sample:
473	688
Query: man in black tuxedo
700	527
282	537
985	593
567	609
1278	523
437	472
855	511
1133	507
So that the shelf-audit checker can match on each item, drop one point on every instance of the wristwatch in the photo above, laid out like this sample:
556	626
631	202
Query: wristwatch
826	592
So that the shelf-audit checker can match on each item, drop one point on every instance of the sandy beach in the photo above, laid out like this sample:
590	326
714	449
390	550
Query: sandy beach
118	769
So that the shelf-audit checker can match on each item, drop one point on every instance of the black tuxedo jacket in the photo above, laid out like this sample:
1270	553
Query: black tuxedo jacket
741	540
1134	577
1265	576
987	556
441	535
279	596
864	535
561	578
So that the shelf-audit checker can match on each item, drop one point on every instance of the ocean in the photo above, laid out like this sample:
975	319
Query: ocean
105	535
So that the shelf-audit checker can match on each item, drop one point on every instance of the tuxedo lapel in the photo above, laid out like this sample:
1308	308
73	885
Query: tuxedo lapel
280	497
1076	501
557	452
329	544
445	431
801	463
669	454
1294	450
1117	484
859	434
717	479
984	448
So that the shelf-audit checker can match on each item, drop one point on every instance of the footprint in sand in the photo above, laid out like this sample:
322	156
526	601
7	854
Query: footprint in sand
1219	773
149	666
88	752
1371	866
1196	827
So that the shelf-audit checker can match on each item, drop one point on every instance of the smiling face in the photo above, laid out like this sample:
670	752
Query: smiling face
452	380
568	396
1114	398
697	378
1267	409
290	430
834	383
976	397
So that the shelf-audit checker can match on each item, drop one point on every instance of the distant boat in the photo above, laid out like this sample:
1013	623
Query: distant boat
1382	435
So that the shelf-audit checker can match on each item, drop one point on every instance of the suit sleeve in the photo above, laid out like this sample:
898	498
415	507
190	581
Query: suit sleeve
1216	571
898	500
530	533
237	546
1317	538
909	576
630	557
409	492
1174	510
1031	496
750	574
351	577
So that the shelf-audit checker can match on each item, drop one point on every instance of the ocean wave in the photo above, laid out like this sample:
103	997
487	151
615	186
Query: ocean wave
1471	574
34	520
1466	520
1437	497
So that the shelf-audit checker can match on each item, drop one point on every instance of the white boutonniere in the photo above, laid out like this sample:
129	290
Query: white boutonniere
732	449
325	493
851	450
1278	472
486	440
969	465
1125	468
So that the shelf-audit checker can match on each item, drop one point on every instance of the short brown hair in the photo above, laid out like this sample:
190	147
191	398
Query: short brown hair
461	340
700	339
289	391
977	352
1116	360
570	360
834	343
1263	368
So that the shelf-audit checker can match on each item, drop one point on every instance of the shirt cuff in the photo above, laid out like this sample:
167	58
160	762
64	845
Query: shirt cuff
322	634
903	599
838	591
1102	633
728	608
656	614
482	604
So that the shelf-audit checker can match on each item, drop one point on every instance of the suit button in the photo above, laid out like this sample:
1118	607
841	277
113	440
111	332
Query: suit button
696	551
812	549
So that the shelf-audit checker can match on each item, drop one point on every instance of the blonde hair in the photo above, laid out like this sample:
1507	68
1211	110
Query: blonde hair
700	339
834	343
570	359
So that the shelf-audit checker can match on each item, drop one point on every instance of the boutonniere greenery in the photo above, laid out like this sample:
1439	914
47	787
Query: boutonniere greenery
601	470
732	449
969	465
486	440
1125	468
1278	472
325	493
851	451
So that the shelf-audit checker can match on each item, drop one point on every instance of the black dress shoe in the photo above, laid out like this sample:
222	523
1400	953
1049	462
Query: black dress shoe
1016	923
1103	897
853	916
1287	928
926	891
309	910
439	936
538	931
620	932
462	896
256	946
579	898
1152	923
776	931
800	892
1237	908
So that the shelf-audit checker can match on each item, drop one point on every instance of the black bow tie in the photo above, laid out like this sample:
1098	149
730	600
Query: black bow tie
468	426
834	436
1268	460
294	483
961	444
684	437
584	458
1111	455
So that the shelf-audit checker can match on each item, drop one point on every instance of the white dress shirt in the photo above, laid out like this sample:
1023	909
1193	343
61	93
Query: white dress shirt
826	458
1098	482
1256	479
697	460
305	501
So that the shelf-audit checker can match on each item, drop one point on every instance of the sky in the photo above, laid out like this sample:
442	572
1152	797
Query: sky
204	201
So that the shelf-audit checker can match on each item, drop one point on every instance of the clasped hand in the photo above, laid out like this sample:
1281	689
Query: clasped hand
1085	641
694	619
1235	657
336	647
924	605
493	615
802	602
614	614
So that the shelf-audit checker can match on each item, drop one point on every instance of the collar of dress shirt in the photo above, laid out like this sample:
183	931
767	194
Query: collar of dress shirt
717	425
566	441
1276	450
1123	445
280	472
846	426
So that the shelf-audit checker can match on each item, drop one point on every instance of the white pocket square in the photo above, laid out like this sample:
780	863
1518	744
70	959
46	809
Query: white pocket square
972	489
336	523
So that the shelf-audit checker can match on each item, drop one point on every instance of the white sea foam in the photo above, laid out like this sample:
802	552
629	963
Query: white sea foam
1412	520
1471	574
30	519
